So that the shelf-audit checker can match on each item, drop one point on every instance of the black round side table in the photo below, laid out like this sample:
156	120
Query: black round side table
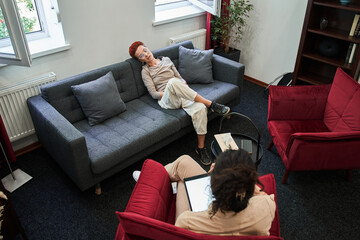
257	150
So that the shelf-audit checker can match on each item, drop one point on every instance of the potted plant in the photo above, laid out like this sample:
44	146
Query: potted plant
232	20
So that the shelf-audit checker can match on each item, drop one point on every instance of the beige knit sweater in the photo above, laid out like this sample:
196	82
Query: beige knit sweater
156	77
255	219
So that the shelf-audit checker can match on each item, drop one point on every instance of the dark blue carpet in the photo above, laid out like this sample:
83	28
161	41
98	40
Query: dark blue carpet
312	205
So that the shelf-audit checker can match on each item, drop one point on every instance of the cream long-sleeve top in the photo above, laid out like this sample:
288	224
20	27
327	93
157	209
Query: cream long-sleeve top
255	219
156	77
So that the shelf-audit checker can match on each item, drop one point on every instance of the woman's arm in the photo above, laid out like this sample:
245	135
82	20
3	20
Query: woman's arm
149	84
175	71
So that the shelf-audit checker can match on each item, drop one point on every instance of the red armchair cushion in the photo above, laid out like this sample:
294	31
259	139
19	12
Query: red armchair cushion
342	107
149	208
281	131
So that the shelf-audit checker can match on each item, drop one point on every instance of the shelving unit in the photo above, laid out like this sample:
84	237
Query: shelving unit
313	67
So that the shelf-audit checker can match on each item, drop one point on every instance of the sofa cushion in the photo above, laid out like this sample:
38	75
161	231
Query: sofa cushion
217	91
342	107
195	66
99	99
180	114
132	131
61	97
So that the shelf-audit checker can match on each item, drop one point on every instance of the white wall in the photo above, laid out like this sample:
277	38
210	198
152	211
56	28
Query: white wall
270	42
100	33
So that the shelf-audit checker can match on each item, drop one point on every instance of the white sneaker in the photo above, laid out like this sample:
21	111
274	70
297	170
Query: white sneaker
174	187
136	175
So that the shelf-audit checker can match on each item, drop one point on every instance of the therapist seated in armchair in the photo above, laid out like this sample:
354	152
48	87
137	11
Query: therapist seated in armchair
240	206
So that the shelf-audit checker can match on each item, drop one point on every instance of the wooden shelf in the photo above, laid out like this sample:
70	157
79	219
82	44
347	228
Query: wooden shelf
353	6
332	61
335	33
314	79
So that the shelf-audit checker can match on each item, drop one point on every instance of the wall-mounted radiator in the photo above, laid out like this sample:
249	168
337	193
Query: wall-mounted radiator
197	37
13	107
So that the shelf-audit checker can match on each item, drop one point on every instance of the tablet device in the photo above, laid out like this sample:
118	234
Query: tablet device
198	190
246	145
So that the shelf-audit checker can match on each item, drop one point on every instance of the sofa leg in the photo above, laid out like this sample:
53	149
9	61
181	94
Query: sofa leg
270	145
286	175
348	175
98	189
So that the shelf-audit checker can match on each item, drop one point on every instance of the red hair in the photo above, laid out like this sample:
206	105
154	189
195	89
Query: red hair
134	47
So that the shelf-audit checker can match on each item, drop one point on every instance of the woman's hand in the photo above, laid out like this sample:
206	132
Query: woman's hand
211	168
258	191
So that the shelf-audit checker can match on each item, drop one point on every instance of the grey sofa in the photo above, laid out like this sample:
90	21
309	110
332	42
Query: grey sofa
90	154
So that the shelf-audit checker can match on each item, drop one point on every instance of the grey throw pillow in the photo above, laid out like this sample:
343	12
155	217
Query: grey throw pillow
195	66
99	99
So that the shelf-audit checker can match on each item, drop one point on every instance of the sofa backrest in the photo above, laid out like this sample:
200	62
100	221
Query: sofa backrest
171	51
61	97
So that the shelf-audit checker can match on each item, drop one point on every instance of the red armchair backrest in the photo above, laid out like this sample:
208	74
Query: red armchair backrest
155	200
282	100
342	111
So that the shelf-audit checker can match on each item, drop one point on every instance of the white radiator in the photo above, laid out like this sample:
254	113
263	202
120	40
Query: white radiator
13	107
197	37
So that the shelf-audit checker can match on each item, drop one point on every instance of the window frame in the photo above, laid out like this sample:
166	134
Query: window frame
37	44
167	11
17	36
214	10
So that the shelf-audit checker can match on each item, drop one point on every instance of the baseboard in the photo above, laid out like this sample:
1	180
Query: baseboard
27	149
253	80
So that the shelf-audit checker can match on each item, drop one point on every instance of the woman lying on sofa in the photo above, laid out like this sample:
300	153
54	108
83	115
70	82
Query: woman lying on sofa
240	206
165	84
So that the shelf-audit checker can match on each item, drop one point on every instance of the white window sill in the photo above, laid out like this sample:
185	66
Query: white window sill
42	47
177	14
46	47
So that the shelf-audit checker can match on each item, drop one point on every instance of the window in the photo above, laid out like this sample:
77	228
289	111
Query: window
29	29
174	10
211	6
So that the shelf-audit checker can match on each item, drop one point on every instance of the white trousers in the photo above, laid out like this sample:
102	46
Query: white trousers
177	95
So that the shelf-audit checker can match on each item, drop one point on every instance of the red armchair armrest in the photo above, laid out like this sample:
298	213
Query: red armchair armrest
324	150
140	227
297	102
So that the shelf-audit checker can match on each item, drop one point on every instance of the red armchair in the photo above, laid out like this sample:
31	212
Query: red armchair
150	213
316	127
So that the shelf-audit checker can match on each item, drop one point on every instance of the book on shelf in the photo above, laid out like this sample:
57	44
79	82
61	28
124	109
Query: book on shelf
354	24
357	29
349	52
353	52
